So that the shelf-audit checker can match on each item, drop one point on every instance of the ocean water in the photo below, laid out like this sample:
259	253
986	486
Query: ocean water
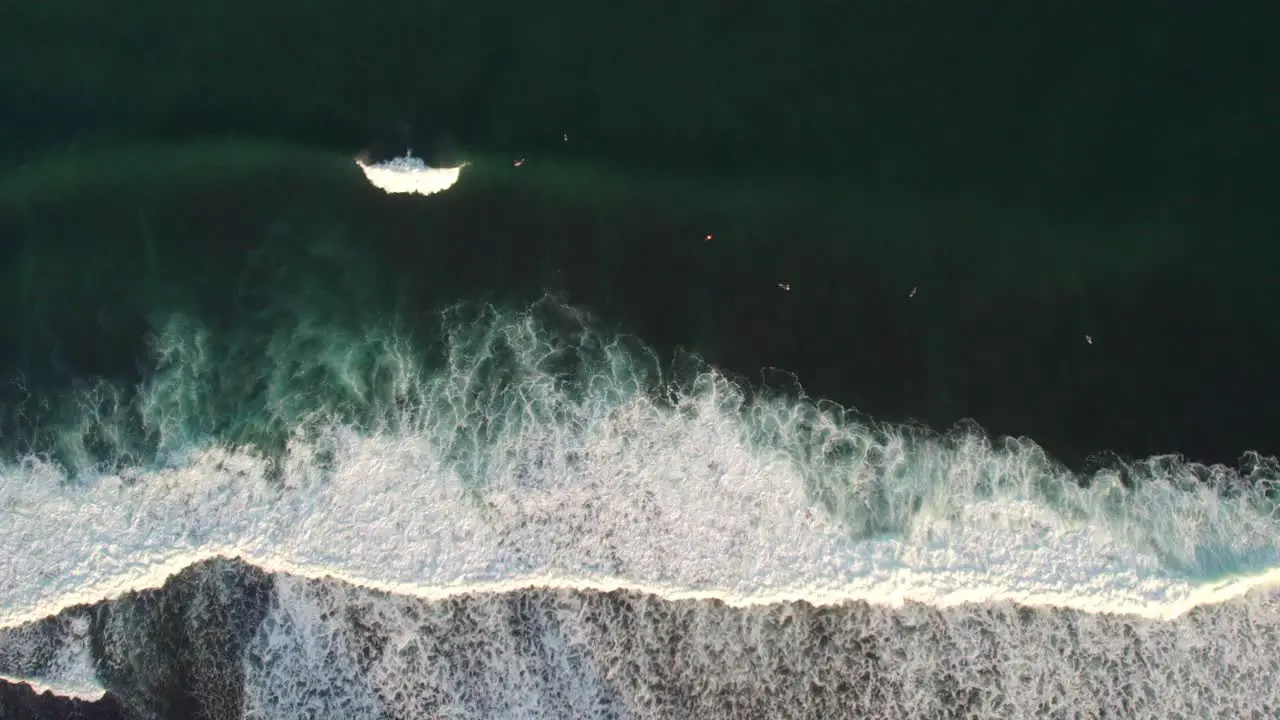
498	507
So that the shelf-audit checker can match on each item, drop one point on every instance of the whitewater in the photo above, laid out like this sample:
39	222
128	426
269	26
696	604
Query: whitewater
532	514
542	452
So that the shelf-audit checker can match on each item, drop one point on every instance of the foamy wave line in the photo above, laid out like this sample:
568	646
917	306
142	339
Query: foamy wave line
387	515
542	453
86	692
899	588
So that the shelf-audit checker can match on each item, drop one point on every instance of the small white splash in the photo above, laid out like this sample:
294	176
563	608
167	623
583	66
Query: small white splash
409	174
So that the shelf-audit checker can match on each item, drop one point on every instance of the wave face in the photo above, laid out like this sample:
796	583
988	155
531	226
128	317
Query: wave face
531	516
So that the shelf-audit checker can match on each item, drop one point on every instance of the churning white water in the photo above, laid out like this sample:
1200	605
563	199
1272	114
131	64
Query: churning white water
564	459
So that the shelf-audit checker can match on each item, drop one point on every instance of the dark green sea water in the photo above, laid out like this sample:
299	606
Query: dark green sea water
1053	221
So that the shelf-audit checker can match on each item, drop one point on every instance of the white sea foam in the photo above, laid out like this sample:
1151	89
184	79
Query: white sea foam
327	649
67	666
410	175
509	472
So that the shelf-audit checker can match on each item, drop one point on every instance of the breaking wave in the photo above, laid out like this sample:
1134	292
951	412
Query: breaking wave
535	449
